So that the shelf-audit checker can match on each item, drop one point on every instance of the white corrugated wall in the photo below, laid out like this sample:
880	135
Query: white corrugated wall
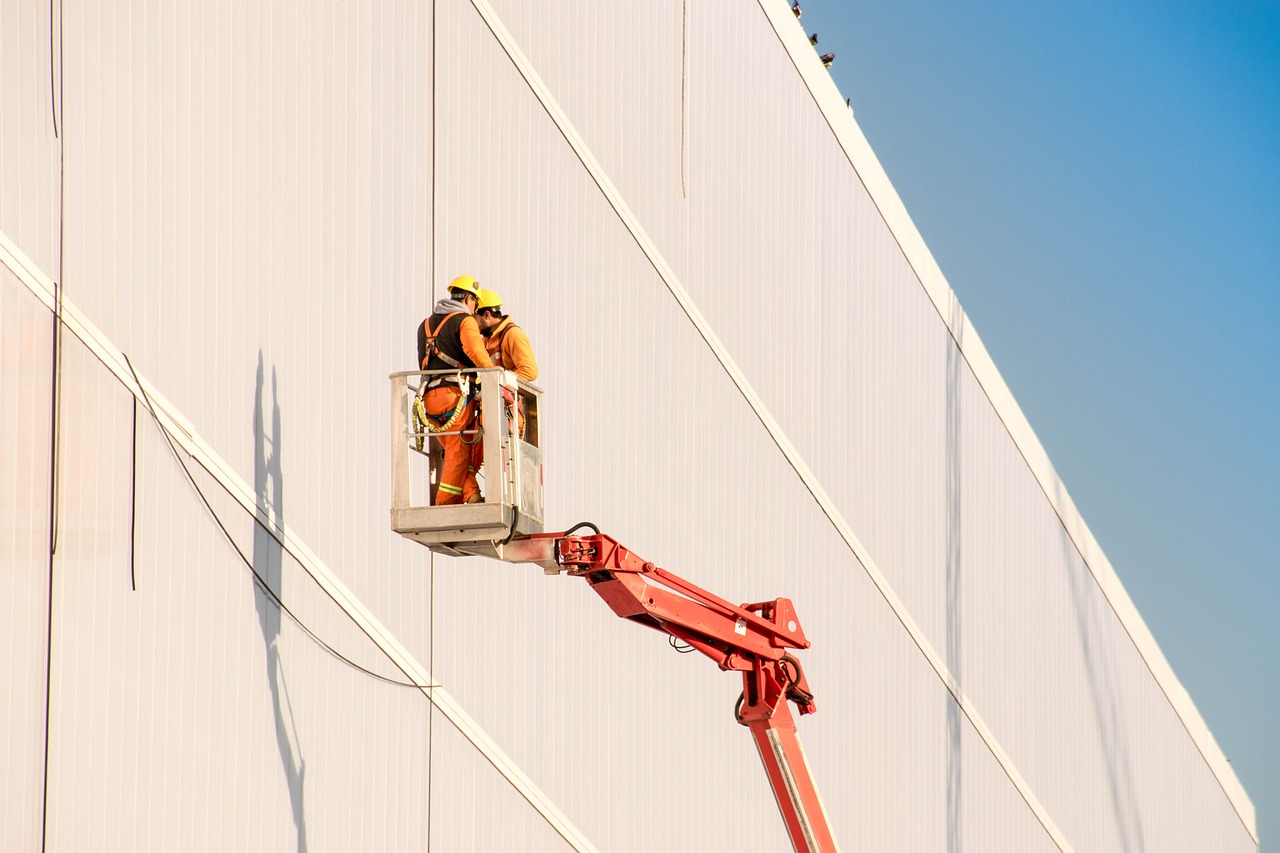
256	203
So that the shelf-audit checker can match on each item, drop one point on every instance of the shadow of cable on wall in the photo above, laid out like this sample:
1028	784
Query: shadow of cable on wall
268	556
1093	615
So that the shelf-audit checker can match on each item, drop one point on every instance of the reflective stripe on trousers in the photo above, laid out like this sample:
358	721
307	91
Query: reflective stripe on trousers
457	482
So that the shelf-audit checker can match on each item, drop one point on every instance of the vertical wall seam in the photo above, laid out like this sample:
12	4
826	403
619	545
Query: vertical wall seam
431	272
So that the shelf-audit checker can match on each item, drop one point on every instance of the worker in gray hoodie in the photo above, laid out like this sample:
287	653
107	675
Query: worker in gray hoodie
450	340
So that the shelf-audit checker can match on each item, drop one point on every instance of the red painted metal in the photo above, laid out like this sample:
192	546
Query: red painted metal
751	639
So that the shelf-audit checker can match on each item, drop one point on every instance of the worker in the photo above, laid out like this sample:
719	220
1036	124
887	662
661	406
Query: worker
508	346
450	339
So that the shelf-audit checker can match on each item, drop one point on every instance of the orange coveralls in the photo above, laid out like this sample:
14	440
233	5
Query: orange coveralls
457	474
509	347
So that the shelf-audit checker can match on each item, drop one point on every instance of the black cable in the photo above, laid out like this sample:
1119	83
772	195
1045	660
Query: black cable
133	500
790	667
258	579
515	519
53	84
56	398
580	525
48	637
684	90
681	647
58	287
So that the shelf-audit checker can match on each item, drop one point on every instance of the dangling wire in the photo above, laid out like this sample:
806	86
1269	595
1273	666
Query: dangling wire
679	645
133	499
684	88
55	87
258	579
54	60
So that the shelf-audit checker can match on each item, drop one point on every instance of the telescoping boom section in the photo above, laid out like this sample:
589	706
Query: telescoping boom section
753	639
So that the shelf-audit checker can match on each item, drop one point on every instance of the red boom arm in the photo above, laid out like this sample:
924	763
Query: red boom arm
751	639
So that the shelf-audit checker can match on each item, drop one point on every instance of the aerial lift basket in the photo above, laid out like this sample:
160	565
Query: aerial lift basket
511	471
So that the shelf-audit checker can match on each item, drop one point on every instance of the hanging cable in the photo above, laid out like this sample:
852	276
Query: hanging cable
579	526
684	88
258	579
515	519
133	500
55	64
55	93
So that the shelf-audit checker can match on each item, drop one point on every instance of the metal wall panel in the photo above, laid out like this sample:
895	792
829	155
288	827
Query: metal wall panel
250	207
899	451
664	454
475	810
30	126
259	202
187	712
252	233
1057	660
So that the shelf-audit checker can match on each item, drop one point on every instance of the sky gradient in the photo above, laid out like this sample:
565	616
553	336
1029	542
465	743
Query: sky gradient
1101	187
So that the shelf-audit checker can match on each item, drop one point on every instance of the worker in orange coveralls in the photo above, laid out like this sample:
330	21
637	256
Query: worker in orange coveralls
450	339
505	342
508	346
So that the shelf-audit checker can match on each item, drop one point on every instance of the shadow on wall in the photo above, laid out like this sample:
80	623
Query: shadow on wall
955	366
268	556
1092	614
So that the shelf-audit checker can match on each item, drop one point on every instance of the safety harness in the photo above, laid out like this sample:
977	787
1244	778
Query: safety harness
433	348
447	421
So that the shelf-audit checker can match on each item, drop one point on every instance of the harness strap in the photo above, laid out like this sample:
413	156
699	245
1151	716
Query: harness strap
445	422
497	347
432	349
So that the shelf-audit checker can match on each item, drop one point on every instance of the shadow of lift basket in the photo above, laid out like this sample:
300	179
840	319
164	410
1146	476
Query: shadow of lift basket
512	470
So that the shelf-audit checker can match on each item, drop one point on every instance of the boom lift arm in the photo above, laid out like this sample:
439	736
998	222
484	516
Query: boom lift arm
752	639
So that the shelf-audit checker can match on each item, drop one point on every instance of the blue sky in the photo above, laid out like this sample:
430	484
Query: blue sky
1101	186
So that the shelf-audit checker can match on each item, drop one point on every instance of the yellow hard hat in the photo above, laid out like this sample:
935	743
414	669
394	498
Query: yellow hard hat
489	299
467	284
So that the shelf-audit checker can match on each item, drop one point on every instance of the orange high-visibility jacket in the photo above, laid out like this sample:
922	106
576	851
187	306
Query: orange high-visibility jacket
509	347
